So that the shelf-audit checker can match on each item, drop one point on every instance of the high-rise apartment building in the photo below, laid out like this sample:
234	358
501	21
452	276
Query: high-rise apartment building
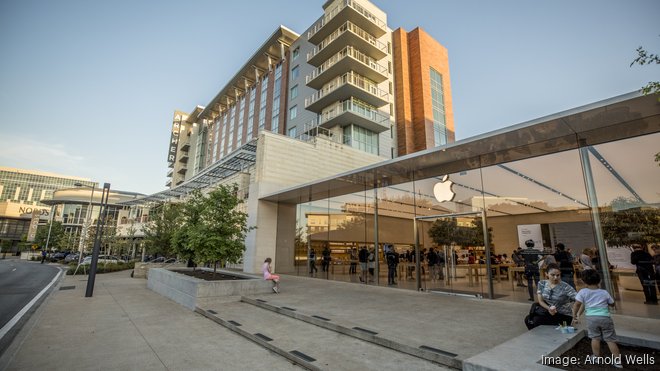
346	93
348	78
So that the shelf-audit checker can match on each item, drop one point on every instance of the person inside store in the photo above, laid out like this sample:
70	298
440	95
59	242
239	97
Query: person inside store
519	262
532	272
555	299
312	262
325	258
645	272
565	261
363	256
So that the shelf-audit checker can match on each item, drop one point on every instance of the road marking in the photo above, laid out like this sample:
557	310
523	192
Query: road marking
5	329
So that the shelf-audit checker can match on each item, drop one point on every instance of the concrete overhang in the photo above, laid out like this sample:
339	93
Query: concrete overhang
258	61
82	195
617	118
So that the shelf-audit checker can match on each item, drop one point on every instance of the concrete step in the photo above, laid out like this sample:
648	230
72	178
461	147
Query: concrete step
308	345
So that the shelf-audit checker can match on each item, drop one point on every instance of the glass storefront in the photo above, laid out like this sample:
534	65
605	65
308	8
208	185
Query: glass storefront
456	232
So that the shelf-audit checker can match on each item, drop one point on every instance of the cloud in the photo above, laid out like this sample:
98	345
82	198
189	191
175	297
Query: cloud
33	154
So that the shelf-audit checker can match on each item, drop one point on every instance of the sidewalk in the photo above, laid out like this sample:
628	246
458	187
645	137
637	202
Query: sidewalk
126	326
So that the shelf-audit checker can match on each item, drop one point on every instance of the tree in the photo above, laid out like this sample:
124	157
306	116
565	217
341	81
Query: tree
163	225
218	234
57	235
190	215
446	231
643	57
631	225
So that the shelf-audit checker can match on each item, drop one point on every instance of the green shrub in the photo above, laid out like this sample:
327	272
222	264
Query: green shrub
101	268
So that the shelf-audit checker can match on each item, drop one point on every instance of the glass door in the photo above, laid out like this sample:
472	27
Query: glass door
453	258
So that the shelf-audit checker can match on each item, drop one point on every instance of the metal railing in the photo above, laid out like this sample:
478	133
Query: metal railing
355	106
312	132
347	3
351	78
347	27
348	51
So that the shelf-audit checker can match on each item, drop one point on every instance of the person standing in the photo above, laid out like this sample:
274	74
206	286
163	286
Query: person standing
596	303
656	263
565	261
43	256
354	258
645	272
312	262
269	276
372	264
432	259
392	260
520	262
531	257
325	256
585	259
363	256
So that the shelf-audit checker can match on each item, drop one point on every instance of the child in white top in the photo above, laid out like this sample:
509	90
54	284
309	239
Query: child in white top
595	303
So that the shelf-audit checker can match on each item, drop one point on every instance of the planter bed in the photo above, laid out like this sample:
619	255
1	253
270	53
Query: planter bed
193	292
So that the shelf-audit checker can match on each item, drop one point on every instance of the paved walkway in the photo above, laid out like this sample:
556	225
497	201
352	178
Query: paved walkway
126	326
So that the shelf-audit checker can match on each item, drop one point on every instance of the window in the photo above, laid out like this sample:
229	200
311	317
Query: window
295	72
438	105
275	119
293	112
293	132
294	92
295	53
262	103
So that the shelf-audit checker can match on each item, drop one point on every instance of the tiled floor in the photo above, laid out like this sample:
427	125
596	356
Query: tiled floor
629	302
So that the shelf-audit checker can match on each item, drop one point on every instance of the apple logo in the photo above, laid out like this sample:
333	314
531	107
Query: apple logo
442	190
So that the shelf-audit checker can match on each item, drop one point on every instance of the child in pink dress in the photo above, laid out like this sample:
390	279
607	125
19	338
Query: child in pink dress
266	269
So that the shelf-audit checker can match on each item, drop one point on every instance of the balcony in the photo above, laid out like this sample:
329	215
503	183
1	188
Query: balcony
352	11
185	145
344	87
182	170
170	172
355	112
183	157
347	34
168	183
348	59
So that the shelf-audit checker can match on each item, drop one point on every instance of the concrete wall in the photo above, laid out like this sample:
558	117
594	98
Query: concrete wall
283	162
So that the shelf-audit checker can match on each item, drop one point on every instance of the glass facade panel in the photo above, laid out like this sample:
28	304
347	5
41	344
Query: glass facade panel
438	104
543	198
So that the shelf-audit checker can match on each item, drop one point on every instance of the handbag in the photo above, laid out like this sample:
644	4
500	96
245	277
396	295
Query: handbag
538	310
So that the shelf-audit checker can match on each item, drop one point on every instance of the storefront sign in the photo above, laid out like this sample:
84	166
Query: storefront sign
174	140
530	234
619	257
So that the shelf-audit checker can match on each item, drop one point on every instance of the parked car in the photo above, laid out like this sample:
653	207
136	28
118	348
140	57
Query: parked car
71	258
103	259
59	256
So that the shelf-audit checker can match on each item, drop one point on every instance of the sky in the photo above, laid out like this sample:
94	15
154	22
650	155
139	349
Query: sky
88	88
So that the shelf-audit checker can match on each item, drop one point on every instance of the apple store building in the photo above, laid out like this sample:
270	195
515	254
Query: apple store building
449	219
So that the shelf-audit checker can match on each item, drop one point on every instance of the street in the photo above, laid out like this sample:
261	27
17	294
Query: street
20	282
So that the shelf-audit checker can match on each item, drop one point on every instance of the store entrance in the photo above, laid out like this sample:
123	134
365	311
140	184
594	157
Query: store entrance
452	255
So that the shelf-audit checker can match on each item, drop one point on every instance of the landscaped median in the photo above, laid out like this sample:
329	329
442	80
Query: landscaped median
100	268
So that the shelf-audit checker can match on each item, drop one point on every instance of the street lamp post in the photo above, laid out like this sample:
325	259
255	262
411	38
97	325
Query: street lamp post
50	225
97	240
87	223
